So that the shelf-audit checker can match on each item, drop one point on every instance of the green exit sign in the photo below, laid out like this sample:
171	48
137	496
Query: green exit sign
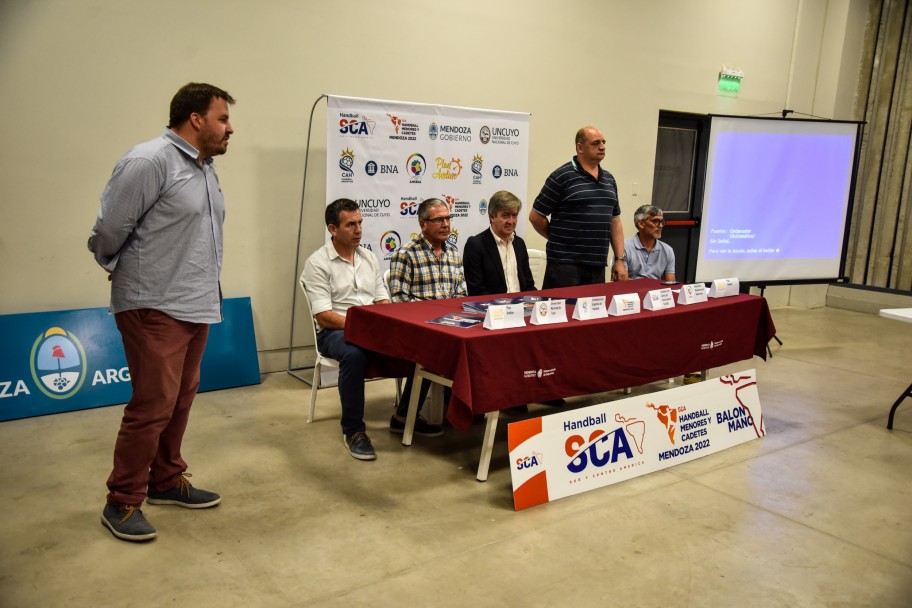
730	81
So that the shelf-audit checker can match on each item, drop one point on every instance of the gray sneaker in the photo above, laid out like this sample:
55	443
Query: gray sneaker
359	446
126	522
184	495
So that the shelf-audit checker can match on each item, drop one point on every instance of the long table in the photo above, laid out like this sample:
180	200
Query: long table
490	370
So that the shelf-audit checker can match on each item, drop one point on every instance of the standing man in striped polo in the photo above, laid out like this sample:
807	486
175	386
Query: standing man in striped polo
585	217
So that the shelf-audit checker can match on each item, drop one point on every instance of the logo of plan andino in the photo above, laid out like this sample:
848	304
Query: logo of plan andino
58	363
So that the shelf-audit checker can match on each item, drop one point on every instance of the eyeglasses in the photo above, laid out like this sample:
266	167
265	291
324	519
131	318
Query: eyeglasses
657	223
439	220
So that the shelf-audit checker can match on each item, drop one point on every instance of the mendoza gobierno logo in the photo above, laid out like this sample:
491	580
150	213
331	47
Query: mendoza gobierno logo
58	363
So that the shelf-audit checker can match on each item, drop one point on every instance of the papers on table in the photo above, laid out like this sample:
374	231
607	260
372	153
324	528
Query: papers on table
456	320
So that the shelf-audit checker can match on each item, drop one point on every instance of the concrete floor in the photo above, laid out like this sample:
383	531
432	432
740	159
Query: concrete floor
815	514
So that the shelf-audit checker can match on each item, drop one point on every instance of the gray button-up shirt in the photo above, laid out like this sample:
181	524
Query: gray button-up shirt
159	231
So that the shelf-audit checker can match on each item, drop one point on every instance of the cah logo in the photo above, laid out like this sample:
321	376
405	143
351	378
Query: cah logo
453	239
390	241
58	363
529	462
484	134
354	124
483	207
409	206
448	169
477	164
370	168
346	163
599	450
432	131
405	130
415	166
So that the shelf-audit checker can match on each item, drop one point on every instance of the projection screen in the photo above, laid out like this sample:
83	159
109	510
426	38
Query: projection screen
777	199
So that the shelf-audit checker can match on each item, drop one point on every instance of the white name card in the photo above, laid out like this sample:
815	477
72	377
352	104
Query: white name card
548	311
692	294
722	288
504	316
624	304
590	308
659	299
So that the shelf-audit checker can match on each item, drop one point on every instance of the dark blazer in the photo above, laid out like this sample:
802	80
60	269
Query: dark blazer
484	271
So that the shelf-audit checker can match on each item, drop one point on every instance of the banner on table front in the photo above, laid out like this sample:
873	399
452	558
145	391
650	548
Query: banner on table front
388	156
563	454
74	359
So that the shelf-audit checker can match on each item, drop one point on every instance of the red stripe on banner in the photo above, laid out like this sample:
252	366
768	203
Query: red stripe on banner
533	492
518	432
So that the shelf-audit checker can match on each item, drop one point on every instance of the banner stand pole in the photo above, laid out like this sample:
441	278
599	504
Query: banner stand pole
294	292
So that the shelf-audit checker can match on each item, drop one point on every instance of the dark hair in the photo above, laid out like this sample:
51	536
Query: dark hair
334	210
424	209
194	97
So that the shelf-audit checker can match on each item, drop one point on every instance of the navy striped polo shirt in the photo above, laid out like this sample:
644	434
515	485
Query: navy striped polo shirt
581	210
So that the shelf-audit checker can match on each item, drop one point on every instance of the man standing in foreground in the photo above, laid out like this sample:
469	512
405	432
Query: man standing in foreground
496	260
582	200
337	276
159	235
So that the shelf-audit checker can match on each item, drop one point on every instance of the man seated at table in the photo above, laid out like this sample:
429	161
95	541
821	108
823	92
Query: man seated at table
647	256
427	268
496	259
337	276
650	258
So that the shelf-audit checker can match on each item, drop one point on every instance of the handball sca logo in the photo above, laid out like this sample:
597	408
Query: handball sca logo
58	363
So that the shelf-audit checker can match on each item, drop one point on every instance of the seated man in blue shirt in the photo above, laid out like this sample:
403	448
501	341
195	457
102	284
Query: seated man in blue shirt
647	256
337	276
650	258
496	260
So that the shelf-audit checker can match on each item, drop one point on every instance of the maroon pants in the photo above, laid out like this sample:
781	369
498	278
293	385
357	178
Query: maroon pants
163	355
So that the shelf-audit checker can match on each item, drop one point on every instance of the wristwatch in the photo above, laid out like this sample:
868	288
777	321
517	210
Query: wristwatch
621	258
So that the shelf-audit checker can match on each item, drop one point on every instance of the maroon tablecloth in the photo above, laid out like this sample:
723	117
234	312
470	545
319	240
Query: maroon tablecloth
493	370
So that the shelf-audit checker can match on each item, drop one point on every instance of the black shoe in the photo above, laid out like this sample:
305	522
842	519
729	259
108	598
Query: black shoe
126	522
184	495
554	403
359	446
422	427
519	409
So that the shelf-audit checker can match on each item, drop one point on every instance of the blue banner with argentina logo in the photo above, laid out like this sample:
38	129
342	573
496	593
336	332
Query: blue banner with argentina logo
73	359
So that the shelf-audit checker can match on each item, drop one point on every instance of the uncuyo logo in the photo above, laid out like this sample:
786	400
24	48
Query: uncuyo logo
58	363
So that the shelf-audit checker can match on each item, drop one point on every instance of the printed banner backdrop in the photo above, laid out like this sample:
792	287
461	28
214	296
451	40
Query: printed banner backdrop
564	454
74	359
390	155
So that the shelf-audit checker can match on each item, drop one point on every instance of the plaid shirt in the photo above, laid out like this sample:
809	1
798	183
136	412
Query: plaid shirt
417	274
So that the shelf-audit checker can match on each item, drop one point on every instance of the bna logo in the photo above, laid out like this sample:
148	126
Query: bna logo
58	363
